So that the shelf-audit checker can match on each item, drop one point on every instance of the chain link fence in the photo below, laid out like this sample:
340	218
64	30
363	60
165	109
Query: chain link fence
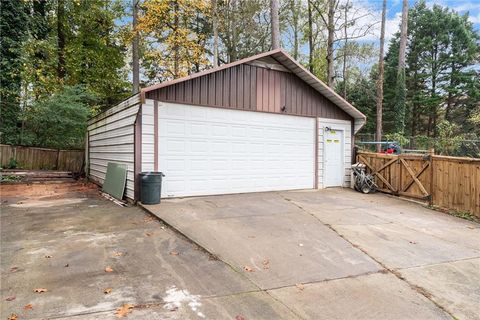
456	146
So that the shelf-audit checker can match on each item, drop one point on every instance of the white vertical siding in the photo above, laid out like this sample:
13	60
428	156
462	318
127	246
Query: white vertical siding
346	127
111	139
147	135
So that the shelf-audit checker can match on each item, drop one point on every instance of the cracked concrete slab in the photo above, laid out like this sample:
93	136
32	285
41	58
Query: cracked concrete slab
369	297
253	305
192	210
454	285
65	249
281	250
399	247
284	238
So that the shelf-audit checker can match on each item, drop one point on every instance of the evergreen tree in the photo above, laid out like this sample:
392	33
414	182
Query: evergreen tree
440	81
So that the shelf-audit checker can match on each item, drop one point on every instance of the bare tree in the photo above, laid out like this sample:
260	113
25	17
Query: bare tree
295	9
310	37
332	4
215	33
400	99
275	24
380	79
334	24
61	39
135	55
403	36
344	69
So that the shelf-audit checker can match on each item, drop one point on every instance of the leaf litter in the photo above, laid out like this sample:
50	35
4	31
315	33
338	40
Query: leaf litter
124	310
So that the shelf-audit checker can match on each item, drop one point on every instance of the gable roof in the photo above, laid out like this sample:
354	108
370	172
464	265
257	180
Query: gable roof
296	68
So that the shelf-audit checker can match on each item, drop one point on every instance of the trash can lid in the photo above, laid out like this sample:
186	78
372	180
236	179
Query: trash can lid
152	173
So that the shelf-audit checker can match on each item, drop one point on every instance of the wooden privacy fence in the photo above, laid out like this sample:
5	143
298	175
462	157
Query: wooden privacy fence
32	158
448	182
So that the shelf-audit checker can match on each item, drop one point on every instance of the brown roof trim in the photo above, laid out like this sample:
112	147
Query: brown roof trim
208	71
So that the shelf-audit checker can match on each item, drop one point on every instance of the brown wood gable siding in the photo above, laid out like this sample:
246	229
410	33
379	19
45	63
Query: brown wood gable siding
247	87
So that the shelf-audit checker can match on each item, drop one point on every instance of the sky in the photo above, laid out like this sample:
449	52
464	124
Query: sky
394	11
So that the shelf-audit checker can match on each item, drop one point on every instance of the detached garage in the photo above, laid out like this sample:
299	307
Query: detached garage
259	124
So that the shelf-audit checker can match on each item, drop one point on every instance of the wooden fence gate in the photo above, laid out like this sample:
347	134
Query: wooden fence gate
448	182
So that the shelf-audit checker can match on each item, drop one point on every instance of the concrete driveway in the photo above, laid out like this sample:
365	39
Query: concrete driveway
338	254
62	238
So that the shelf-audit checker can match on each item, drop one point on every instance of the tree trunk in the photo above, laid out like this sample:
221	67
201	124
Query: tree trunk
330	39
295	27
380	80
344	71
403	36
233	29
215	33
61	39
175	46
135	56
400	88
275	24
310	37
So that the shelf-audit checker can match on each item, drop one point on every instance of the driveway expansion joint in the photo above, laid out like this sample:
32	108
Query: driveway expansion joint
217	257
394	272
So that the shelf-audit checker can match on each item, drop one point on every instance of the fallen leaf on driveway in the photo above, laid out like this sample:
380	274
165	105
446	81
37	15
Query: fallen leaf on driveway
124	310
28	307
107	290
148	234
248	269
13	269
266	263
174	253
108	269
148	219
11	298
40	290
239	317
300	286
118	254
13	316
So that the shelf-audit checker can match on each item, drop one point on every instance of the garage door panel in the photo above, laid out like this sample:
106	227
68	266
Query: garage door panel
216	151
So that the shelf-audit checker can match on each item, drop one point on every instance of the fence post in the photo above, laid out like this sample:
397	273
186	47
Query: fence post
58	159
431	153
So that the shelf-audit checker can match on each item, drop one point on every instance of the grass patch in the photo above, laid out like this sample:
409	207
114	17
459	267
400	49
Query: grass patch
464	215
459	214
10	178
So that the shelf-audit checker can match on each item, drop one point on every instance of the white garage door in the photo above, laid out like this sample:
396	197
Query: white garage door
205	151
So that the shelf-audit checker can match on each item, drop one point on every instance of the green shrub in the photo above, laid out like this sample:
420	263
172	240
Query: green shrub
12	163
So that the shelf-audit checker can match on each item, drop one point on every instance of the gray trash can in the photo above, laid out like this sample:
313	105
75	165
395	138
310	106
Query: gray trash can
150	187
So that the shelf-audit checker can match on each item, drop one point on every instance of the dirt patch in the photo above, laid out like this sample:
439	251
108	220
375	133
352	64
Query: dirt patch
13	193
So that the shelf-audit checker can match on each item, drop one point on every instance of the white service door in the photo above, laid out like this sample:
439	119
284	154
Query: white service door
206	151
333	175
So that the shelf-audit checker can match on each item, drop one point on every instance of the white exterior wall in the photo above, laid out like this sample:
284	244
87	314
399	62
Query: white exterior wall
346	127
148	136
111	139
